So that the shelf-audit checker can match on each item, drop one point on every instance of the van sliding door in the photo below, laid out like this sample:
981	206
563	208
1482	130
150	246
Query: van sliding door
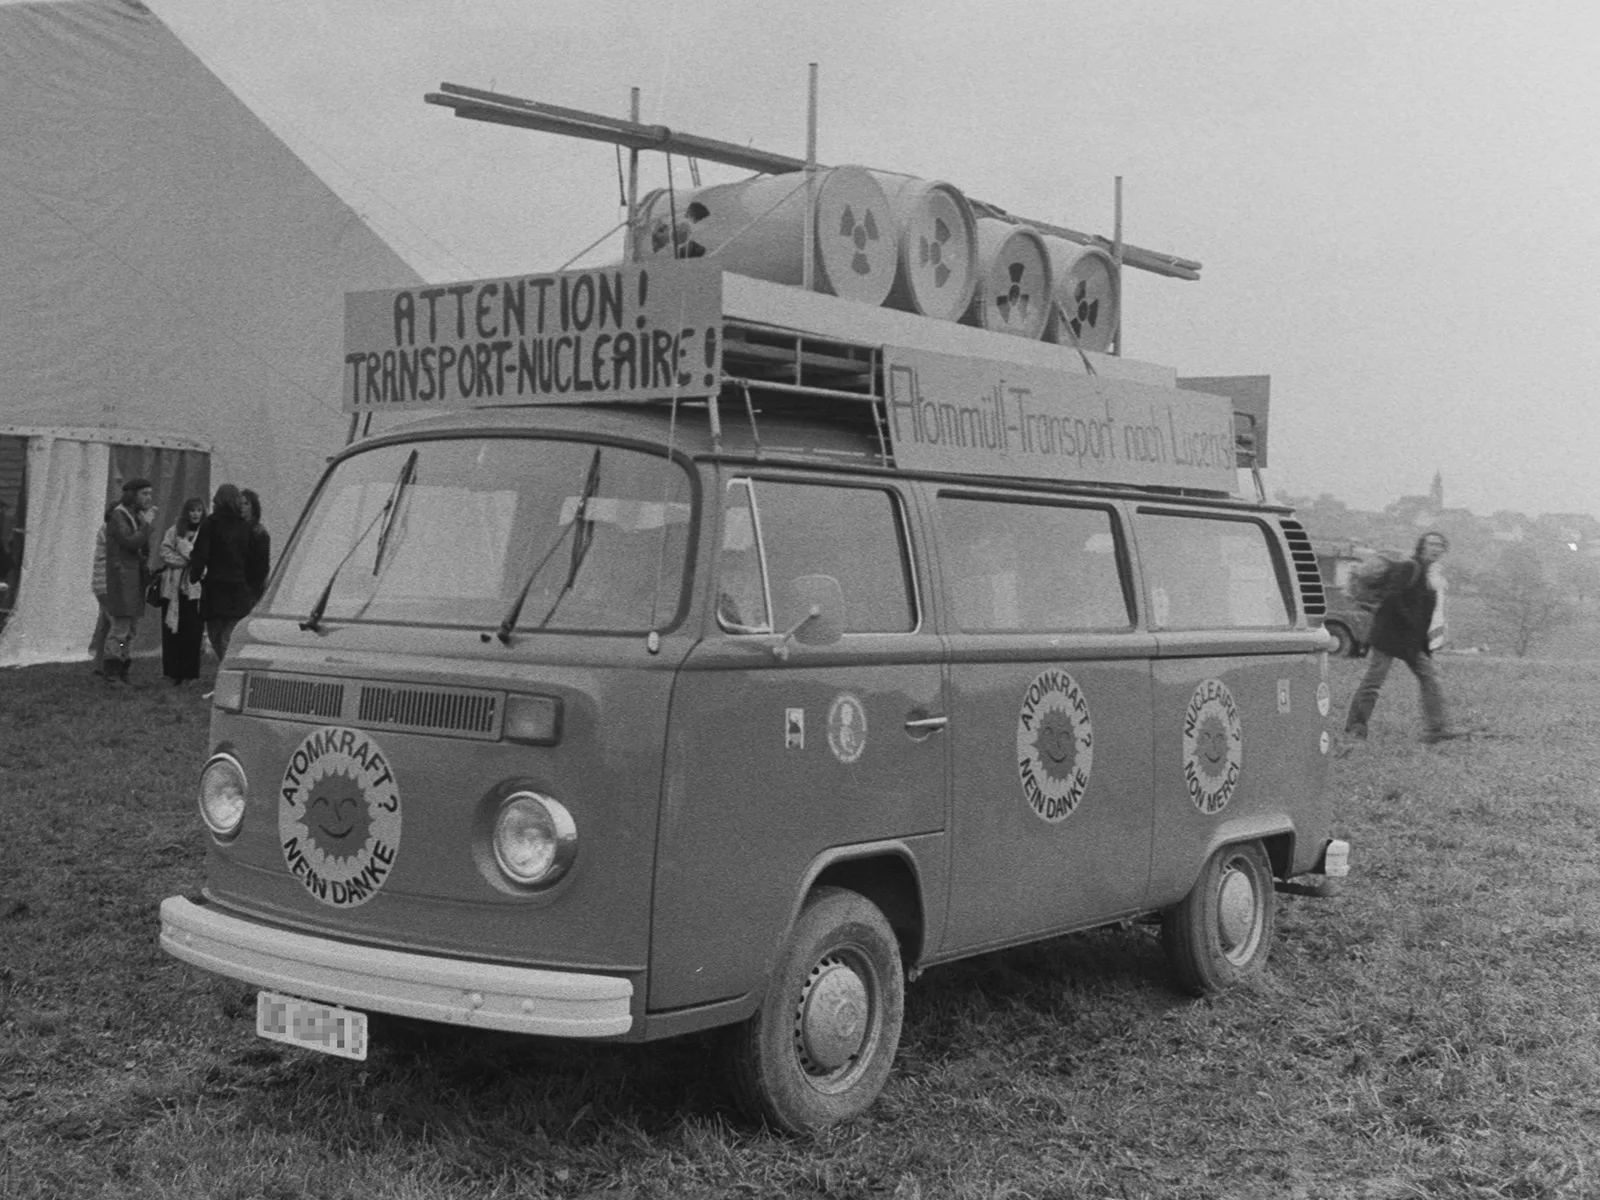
1049	719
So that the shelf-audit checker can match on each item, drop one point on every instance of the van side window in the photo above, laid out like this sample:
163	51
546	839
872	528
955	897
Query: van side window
1210	573
854	534
1018	566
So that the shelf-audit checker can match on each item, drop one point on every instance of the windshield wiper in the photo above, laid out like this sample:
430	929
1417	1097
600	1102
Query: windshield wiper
408	472
391	509
580	548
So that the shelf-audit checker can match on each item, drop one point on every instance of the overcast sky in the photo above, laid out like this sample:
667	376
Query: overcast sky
1397	205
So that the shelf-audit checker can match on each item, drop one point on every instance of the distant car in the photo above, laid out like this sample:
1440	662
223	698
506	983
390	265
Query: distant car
1349	623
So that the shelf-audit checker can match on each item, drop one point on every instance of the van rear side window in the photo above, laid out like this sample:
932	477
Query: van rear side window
775	532
1210	573
1015	567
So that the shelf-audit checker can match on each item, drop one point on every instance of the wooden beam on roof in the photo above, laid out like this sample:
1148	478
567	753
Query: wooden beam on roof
477	105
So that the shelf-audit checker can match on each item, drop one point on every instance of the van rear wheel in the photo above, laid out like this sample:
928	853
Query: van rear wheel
820	1047
1219	935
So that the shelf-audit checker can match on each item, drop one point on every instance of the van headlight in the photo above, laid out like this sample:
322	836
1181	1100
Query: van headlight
223	791
535	839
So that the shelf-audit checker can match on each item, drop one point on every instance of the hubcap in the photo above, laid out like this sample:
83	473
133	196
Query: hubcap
832	1022
1236	910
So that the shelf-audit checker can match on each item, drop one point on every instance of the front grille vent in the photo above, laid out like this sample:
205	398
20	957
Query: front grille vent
291	697
1313	598
430	710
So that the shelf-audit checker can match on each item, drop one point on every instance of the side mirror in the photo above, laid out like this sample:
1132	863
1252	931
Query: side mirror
818	603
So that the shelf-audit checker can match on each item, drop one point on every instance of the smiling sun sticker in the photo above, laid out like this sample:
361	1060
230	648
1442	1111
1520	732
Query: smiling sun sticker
1055	745
1213	746
339	817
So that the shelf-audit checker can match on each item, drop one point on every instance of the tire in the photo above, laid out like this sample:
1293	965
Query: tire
1219	935
820	1047
1344	646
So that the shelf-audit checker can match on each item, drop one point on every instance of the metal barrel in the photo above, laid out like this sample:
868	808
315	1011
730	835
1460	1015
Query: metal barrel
757	228
937	247
1014	280
1086	295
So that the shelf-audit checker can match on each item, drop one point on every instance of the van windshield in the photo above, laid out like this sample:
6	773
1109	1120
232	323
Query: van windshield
602	531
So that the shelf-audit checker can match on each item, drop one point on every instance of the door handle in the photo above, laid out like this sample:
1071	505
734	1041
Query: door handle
926	724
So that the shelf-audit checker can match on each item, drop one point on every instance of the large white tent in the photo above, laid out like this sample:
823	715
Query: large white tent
171	300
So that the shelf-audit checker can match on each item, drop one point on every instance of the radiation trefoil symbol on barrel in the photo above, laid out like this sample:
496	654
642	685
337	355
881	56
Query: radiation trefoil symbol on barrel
1014	299
932	251
1055	745
681	234
1086	311
339	817
860	232
1213	746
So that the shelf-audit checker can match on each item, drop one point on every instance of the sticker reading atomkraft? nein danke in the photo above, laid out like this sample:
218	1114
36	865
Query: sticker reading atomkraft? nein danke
1213	746
339	816
1055	745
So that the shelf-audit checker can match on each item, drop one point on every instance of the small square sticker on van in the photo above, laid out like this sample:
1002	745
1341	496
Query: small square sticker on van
794	729
1283	695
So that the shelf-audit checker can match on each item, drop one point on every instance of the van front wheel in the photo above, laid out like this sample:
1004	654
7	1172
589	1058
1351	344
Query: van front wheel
1219	935
821	1045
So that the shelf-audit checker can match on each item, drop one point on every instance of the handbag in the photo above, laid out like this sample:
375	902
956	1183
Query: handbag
152	591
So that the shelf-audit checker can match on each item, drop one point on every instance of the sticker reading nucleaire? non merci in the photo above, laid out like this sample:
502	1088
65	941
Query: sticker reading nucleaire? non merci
1213	746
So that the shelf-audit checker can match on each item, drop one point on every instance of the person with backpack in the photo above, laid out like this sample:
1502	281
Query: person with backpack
1400	630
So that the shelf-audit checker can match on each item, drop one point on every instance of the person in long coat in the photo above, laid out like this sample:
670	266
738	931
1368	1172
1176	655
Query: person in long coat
228	565
181	626
128	529
262	545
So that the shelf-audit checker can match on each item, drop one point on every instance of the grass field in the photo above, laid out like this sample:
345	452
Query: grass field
1432	1031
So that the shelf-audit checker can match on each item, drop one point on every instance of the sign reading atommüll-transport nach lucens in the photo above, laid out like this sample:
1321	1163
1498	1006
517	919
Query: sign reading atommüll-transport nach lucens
980	416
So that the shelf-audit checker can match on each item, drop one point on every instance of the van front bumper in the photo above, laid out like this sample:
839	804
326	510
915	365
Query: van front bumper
449	990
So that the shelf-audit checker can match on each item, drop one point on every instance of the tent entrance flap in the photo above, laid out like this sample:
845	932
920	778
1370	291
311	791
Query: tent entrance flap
13	518
177	476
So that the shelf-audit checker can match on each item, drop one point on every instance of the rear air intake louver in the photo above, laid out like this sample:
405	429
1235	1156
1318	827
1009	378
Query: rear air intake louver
292	697
430	710
1312	598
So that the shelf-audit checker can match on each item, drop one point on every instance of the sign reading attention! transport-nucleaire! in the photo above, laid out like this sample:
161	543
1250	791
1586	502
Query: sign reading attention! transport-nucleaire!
611	333
984	416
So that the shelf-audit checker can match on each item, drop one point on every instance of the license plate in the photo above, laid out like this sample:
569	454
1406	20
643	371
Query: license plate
314	1026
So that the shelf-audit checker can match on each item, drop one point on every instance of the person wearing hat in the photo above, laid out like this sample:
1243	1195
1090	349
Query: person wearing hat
128	529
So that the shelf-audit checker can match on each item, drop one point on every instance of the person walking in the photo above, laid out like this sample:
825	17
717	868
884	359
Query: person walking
1400	630
260	539
181	627
224	564
127	530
